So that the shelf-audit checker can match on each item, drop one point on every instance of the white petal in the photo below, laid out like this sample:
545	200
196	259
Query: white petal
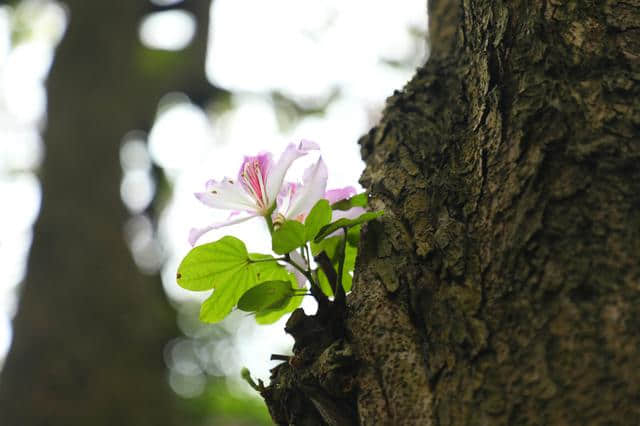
279	169
339	194
196	233
226	195
352	213
312	190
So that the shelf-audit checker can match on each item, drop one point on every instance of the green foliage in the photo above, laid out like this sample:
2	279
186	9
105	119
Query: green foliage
266	296
259	283
226	266
269	316
288	237
331	247
346	223
226	296
359	200
210	264
319	216
293	234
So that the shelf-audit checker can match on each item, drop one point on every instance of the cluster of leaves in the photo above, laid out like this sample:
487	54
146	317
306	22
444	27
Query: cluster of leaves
266	285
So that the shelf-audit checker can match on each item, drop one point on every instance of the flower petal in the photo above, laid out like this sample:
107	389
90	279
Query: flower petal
196	233
278	170
252	176
264	159
285	195
335	195
312	190
352	213
226	195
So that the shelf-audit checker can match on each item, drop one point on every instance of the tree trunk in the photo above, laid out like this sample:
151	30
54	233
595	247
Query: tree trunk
90	329
502	284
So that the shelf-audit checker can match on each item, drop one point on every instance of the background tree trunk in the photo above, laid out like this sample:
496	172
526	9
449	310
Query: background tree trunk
89	333
502	284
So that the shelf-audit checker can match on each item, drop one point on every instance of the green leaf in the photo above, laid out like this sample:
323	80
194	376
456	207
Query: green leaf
227	267
346	223
359	200
271	316
319	216
351	253
227	295
324	283
328	245
288	237
331	246
209	264
269	295
353	235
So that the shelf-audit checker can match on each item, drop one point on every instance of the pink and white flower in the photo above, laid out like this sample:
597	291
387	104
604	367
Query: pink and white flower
255	190
296	200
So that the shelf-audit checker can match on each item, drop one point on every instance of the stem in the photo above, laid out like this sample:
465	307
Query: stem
340	294
304	251
246	375
269	221
267	218
298	267
316	292
325	264
308	257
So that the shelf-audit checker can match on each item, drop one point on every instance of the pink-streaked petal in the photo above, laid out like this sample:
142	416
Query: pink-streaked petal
226	195
312	190
264	159
252	176
298	259
279	170
196	233
335	195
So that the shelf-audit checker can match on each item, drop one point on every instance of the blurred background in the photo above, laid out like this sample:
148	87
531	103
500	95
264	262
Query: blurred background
112	114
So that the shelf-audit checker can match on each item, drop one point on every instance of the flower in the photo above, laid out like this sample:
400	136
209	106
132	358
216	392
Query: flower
255	190
296	200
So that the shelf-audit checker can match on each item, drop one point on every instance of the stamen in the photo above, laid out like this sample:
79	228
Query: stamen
278	220
263	192
252	177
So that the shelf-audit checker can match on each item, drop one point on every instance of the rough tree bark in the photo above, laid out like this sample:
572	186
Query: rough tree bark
90	329
502	285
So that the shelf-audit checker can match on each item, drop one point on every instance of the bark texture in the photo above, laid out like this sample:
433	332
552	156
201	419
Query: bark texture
502	285
90	329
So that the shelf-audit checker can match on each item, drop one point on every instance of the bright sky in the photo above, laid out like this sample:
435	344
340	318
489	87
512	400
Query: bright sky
303	49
